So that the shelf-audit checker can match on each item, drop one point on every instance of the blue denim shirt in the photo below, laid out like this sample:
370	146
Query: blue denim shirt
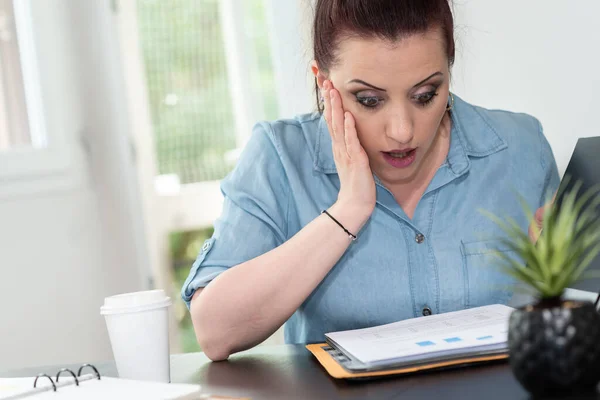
286	176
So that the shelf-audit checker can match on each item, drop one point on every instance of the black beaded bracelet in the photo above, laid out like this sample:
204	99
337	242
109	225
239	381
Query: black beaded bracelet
350	235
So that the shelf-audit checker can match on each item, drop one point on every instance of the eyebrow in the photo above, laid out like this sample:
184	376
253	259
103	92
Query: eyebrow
366	84
428	78
383	90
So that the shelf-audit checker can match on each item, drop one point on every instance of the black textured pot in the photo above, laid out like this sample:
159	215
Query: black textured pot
555	348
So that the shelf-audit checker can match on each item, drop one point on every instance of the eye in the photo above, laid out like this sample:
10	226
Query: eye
424	99
368	101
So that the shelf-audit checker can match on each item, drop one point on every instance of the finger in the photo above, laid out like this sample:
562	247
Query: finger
535	227
337	119
539	215
327	111
327	104
353	146
534	232
541	212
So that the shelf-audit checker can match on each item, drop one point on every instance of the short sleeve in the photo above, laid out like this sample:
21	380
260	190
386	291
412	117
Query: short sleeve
551	176
254	216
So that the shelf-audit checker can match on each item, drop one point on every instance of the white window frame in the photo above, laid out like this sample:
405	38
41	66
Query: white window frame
3	118
290	25
13	113
48	154
247	105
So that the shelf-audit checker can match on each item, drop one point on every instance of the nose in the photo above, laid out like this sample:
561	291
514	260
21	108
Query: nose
400	127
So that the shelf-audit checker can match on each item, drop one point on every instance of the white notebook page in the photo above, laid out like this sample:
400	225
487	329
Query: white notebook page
10	387
106	388
449	333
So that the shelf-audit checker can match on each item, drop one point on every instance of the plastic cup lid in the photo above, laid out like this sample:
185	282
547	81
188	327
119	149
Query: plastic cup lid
134	302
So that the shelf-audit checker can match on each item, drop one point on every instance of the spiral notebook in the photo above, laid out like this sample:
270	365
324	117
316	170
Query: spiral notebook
68	385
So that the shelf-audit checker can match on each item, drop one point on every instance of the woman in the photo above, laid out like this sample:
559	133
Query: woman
396	161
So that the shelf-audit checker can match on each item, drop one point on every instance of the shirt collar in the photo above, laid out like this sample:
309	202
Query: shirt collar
473	135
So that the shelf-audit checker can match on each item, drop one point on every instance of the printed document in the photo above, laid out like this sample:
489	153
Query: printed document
471	332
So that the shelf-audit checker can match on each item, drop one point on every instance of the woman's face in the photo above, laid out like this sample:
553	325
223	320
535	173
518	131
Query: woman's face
398	94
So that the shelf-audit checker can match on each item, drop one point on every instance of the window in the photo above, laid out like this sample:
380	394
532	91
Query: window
16	129
33	126
199	74
209	73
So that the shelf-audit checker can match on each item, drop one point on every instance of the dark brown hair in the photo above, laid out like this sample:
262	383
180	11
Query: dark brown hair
385	19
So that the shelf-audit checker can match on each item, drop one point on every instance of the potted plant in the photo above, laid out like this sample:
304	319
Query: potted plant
554	344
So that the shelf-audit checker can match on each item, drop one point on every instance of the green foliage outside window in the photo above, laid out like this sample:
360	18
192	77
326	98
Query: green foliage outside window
188	87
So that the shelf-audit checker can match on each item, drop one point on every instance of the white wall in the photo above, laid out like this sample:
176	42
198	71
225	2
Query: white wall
68	241
541	57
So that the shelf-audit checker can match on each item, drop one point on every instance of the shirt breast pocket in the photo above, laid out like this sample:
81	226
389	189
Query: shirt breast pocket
485	281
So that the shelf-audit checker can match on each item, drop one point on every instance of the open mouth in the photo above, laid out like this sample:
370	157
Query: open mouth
401	154
400	158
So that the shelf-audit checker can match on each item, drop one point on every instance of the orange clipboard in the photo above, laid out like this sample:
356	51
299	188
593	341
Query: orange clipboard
337	371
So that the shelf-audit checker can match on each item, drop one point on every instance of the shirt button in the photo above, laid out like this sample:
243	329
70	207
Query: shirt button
420	238
427	311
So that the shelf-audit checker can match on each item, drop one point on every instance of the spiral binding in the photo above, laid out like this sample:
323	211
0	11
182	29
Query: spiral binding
55	382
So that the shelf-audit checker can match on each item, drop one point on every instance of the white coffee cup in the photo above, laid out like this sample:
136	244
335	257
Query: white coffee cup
138	327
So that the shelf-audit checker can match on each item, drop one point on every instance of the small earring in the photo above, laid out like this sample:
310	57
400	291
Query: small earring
451	103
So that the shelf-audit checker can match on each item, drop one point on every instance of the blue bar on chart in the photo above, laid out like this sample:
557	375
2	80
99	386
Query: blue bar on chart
453	340
426	343
485	337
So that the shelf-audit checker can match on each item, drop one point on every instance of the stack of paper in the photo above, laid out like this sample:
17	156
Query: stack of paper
467	333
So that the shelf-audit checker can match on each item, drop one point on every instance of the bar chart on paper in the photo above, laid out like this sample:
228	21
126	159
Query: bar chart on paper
476	331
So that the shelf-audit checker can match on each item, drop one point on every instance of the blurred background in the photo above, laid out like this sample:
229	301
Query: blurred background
118	118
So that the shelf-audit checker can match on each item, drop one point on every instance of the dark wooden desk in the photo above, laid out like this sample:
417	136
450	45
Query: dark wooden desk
290	372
